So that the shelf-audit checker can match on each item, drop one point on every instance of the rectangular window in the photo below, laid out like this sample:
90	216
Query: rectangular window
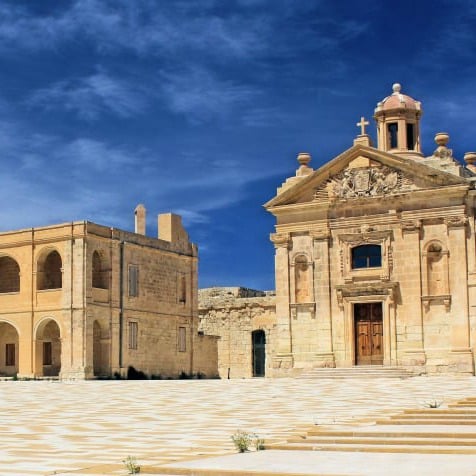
133	332
182	288
47	353
182	343
133	280
10	354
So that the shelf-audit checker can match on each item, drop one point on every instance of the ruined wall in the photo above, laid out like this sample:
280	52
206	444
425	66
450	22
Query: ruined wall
233	314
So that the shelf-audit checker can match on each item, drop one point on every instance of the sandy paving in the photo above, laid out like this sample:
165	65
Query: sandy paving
48	427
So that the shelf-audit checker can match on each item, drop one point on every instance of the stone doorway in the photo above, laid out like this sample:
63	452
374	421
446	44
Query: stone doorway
258	339
8	350
48	349
368	332
100	351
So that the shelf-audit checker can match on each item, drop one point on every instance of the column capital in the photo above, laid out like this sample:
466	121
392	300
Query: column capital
319	235
280	240
409	226
455	221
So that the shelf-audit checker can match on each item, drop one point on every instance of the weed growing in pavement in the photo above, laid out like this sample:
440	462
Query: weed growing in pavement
131	465
242	441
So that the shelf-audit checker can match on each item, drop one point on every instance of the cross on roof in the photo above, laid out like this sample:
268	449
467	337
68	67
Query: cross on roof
362	125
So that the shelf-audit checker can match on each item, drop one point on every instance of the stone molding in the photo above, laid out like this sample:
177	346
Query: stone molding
410	226
280	240
304	306
456	221
444	298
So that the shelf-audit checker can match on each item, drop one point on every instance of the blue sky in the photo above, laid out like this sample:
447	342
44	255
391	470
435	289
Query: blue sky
200	107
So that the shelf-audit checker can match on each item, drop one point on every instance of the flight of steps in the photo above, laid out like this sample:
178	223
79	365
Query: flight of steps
361	371
427	431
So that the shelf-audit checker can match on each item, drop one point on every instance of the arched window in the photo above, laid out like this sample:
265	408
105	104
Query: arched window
9	275
301	274
50	274
100	278
367	256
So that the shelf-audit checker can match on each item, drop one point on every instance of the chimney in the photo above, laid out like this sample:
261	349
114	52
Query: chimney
139	215
171	229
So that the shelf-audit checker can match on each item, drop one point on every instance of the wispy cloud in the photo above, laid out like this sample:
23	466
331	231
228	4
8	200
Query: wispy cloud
53	179
89	97
142	26
199	94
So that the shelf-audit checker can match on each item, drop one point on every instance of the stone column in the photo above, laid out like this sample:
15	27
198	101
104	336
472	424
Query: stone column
283	359
460	355
322	283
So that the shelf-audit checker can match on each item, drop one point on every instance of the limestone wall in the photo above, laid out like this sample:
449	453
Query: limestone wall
233	314
140	311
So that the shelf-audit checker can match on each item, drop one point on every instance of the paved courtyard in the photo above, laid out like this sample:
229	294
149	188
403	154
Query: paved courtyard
89	427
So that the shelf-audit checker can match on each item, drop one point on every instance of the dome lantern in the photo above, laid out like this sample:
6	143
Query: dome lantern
398	124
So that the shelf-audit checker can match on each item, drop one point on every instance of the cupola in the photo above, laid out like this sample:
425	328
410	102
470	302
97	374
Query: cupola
398	124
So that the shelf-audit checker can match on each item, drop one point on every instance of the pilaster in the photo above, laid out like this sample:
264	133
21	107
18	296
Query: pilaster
283	358
322	286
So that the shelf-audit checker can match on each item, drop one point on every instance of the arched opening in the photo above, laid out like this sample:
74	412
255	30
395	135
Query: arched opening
48	349
258	339
301	280
367	256
100	276
100	351
50	273
8	350
9	275
436	270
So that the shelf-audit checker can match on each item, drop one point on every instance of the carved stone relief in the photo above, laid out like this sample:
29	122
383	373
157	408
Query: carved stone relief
364	182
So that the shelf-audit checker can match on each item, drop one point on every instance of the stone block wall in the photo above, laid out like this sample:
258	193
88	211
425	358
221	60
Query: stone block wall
233	314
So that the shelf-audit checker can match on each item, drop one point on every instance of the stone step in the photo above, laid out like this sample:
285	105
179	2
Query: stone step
441	416
441	411
392	434
368	448
422	421
377	440
371	371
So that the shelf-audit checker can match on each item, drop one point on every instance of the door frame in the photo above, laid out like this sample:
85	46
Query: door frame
388	324
253	334
370	329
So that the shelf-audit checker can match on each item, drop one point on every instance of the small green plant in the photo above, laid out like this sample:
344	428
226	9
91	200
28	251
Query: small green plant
131	465
433	403
241	440
259	443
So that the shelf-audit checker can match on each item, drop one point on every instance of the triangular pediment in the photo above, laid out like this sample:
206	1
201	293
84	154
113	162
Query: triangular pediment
362	172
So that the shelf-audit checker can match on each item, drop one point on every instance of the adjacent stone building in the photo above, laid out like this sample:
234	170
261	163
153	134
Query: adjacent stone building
245	320
375	258
81	300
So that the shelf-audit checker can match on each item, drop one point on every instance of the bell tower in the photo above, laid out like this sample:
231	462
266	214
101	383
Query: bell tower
398	124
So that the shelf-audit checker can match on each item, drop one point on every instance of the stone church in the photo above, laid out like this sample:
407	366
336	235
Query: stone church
81	300
375	261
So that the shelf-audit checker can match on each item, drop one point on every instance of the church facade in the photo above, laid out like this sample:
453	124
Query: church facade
375	256
80	300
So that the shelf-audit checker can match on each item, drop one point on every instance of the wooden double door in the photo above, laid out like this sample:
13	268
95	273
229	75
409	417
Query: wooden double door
368	331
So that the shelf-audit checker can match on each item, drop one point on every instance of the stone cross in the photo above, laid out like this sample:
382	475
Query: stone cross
362	125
